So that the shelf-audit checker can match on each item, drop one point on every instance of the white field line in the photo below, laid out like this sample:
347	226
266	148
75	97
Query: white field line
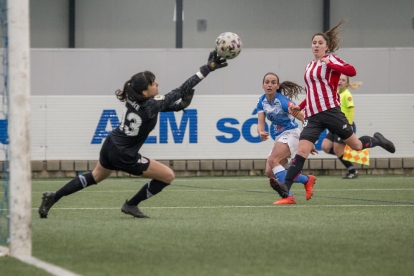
201	179
333	190
146	180
244	190
239	190
52	269
220	207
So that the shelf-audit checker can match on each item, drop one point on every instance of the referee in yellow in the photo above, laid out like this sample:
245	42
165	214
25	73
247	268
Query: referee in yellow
333	144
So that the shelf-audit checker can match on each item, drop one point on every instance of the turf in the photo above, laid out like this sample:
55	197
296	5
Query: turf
229	226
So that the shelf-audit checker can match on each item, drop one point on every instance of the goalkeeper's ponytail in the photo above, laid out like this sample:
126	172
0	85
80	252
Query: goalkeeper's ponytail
134	87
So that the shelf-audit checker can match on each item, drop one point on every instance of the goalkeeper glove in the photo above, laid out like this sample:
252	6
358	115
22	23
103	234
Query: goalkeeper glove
214	62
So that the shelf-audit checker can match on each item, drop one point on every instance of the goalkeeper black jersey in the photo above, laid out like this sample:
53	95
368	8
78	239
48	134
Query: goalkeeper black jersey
140	118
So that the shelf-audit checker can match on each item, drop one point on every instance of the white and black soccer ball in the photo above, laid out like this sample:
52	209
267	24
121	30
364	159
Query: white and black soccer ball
228	45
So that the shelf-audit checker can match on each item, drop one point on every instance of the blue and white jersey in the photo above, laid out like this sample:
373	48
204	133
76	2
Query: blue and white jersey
277	112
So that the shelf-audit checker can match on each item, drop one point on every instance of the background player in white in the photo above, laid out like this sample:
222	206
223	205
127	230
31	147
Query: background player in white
120	151
274	105
333	144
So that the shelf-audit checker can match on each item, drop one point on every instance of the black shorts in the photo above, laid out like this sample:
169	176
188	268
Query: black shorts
112	158
332	119
335	138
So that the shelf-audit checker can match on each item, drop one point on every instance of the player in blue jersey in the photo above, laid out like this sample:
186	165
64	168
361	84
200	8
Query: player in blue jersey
274	105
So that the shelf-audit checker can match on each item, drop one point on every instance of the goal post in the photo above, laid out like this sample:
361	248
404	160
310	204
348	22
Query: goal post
19	128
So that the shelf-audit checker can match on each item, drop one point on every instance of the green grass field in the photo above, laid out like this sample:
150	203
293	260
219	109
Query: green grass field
228	226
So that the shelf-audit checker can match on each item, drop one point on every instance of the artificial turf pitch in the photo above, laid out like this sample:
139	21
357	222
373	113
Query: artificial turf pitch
228	226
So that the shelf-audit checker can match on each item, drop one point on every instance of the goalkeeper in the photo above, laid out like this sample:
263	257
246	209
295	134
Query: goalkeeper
120	151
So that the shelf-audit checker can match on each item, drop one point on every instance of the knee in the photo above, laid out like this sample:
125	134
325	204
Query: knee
326	148
168	177
338	152
326	145
303	152
356	146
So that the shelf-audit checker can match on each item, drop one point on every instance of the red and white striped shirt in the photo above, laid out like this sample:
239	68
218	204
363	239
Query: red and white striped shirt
321	84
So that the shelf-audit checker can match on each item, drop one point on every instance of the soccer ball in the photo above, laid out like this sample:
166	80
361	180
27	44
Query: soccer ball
228	45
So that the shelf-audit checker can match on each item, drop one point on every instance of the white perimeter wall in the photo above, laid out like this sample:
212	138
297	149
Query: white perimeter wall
72	88
63	127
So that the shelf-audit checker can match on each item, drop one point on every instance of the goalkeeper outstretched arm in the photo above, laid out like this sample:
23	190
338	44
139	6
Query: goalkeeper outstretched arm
183	104
185	91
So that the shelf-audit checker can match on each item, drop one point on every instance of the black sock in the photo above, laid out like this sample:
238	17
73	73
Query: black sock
369	142
76	184
347	164
150	189
294	170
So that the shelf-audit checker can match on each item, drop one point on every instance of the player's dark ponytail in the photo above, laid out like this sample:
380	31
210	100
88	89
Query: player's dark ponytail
133	88
289	89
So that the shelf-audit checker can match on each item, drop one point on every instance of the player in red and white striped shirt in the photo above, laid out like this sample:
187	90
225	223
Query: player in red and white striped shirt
322	107
321	78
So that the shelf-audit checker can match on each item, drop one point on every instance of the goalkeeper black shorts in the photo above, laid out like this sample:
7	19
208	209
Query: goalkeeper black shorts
112	158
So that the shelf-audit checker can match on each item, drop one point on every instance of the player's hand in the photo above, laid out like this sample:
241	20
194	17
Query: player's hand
215	61
294	109
314	151
264	135
326	60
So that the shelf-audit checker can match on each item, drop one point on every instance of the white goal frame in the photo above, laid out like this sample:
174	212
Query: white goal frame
20	202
